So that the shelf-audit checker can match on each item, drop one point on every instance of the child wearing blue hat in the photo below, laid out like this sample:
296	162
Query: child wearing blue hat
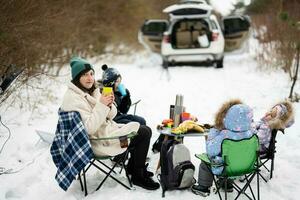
111	77
233	121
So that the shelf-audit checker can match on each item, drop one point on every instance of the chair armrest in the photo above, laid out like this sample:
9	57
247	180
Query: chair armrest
204	158
135	105
129	136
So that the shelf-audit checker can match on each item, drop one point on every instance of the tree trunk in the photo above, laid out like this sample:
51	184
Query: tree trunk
296	72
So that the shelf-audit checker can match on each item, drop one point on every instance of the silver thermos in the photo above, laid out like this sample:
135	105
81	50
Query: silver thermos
178	109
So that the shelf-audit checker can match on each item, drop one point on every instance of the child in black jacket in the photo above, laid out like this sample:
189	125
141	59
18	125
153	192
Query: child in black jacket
112	78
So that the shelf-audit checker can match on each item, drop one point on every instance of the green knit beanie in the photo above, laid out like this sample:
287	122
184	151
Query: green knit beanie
78	65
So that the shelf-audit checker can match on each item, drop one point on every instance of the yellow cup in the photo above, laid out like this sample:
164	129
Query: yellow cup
107	90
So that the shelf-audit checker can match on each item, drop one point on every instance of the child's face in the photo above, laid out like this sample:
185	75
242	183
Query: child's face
271	114
118	81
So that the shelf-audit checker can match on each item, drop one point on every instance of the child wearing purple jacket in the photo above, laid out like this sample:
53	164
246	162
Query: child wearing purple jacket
280	116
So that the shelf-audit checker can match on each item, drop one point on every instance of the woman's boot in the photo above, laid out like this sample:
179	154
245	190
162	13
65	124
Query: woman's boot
140	178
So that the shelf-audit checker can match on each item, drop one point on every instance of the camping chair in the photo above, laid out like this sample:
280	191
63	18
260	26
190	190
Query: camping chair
109	171
72	153
269	155
240	159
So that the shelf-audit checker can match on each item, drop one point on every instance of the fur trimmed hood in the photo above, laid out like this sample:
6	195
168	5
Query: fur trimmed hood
220	115
286	119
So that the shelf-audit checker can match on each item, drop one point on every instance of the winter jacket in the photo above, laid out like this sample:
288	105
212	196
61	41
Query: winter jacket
237	125
263	128
97	119
123	105
123	102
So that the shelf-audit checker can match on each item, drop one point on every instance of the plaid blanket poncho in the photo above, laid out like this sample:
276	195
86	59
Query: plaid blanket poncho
71	149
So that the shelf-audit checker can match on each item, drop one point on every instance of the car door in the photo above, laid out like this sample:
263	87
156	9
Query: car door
151	34
236	31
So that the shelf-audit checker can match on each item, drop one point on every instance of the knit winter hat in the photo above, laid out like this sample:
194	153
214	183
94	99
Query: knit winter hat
109	76
78	65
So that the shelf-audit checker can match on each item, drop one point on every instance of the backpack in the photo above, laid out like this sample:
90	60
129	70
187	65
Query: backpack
156	147
177	170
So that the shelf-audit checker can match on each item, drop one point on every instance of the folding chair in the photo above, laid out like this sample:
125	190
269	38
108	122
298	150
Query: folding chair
269	155
240	159
109	171
73	155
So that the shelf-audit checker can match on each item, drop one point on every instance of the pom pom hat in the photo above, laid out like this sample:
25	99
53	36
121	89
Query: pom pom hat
109	76
78	65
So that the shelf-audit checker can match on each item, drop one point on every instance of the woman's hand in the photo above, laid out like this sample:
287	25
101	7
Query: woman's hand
107	99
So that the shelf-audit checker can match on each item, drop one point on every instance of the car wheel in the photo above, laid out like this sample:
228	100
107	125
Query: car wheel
219	63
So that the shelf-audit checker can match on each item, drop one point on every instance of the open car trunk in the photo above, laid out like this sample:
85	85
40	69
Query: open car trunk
236	31
191	34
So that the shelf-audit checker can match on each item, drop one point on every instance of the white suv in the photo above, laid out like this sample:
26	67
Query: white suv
192	34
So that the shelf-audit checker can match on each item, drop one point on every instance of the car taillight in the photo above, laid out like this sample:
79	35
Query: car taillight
214	36
166	39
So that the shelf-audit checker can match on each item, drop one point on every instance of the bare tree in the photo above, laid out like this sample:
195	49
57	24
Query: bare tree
38	37
276	28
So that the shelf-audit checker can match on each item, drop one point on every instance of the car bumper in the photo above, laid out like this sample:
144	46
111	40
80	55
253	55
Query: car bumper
193	57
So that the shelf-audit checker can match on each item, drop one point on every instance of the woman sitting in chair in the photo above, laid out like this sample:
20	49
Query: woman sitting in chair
232	121
97	112
280	116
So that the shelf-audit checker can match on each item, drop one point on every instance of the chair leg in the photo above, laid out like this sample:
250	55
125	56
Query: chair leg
258	197
108	174
109	168
226	188
264	164
90	164
251	191
262	177
84	182
124	167
217	187
243	190
124	160
266	168
79	177
272	168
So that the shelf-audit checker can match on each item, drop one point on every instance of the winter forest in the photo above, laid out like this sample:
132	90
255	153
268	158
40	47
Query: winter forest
42	41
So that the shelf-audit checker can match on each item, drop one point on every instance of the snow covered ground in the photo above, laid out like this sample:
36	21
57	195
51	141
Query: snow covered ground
31	170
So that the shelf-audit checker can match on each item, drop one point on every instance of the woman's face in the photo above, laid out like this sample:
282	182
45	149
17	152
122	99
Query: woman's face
87	79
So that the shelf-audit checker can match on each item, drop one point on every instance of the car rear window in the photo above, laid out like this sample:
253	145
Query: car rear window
154	28
235	25
190	11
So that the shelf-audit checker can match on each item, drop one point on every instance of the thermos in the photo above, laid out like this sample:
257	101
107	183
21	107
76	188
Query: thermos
178	109
172	112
